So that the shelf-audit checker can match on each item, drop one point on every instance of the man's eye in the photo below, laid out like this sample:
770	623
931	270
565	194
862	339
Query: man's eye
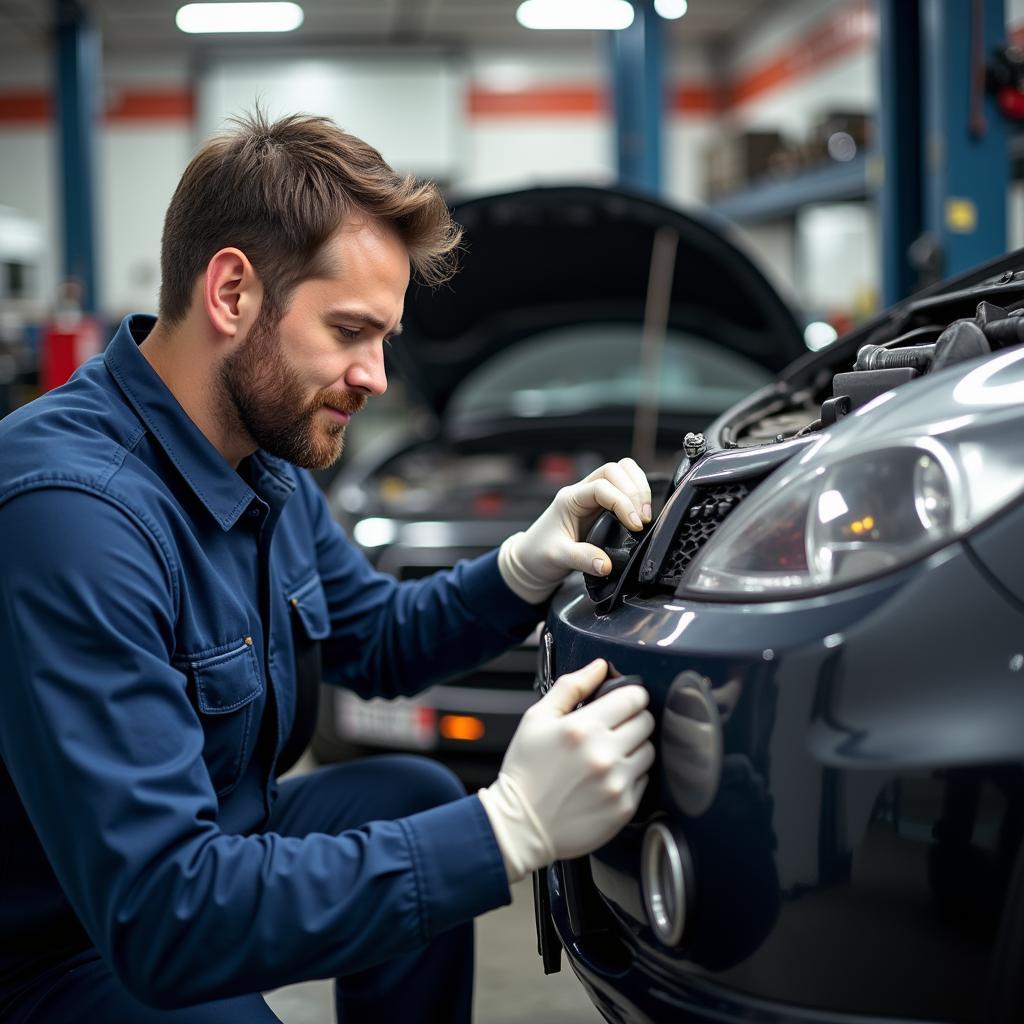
346	332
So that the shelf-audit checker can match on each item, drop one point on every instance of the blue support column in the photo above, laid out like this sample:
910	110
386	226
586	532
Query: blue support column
900	199
78	111
638	99
966	163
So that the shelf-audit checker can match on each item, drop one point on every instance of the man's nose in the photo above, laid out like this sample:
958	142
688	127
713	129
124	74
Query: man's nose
367	373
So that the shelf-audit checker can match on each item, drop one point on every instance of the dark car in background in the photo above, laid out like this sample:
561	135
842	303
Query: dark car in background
530	368
828	614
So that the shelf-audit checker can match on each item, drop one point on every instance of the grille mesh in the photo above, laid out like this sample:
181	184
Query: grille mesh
705	514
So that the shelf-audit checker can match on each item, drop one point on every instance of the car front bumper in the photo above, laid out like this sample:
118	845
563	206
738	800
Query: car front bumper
859	854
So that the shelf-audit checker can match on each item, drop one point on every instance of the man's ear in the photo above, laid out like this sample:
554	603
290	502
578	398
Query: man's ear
232	293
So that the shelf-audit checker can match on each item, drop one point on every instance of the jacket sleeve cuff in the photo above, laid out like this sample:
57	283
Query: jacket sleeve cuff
460	872
493	600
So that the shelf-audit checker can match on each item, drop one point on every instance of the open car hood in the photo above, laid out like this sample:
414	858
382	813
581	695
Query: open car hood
554	256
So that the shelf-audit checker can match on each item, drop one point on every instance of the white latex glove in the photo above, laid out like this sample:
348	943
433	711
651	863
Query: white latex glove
535	562
570	779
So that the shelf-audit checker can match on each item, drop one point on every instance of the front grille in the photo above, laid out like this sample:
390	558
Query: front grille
705	513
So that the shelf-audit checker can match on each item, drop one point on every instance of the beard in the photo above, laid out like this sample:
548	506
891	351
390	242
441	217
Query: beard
265	396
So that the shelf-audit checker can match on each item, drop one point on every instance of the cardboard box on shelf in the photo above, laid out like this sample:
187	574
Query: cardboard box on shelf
734	161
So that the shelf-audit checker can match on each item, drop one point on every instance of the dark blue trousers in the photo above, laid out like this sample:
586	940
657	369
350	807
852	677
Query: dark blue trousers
431	984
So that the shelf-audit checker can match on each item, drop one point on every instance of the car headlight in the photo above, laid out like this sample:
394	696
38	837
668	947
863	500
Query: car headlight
837	517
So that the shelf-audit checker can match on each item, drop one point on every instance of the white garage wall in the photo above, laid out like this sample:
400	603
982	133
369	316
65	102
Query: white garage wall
511	150
571	149
28	184
139	170
410	108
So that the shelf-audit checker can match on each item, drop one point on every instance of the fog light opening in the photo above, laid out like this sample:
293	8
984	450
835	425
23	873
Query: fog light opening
664	862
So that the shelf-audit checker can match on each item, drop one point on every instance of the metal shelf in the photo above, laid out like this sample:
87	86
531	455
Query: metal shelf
781	198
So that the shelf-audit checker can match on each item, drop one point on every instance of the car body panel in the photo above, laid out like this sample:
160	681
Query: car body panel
834	784
849	810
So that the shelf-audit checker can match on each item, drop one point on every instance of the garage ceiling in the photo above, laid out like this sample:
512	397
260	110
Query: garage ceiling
134	26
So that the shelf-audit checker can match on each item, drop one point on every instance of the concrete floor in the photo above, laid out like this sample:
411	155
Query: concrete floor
511	987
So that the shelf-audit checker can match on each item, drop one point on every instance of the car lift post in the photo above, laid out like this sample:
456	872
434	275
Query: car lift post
79	99
638	88
943	142
900	199
966	160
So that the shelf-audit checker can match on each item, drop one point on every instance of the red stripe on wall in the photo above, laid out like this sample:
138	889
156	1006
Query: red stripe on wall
845	31
557	101
694	99
156	105
848	29
129	105
24	107
577	100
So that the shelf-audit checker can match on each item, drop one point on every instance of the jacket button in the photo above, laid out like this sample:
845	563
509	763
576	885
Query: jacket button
248	641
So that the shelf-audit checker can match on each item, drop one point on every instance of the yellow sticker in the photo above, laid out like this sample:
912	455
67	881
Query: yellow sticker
961	215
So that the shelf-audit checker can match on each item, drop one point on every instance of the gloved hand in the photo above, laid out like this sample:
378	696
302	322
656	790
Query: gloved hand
534	562
570	779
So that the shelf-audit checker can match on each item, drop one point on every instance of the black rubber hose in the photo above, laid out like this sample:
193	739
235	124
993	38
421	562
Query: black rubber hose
1008	331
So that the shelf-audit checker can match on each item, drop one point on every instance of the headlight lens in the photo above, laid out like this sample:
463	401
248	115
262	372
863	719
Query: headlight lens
822	525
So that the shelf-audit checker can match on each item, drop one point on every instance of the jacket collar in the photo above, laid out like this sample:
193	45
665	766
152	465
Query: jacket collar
219	487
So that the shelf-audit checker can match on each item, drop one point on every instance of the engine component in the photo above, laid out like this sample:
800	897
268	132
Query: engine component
833	409
861	386
961	340
880	357
1006	331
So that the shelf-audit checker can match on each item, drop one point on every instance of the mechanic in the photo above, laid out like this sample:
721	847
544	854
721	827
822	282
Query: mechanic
167	562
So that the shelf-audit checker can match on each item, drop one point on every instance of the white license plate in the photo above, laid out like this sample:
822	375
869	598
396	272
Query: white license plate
386	723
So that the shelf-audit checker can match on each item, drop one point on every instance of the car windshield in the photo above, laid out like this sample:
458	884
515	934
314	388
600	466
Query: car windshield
591	366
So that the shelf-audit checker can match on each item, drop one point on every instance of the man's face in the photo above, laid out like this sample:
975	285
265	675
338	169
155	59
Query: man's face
293	386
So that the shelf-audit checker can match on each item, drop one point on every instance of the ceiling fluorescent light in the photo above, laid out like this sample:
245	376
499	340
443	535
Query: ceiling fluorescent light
671	9
252	17
575	14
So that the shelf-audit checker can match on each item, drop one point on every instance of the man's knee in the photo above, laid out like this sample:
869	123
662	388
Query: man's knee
426	783
347	795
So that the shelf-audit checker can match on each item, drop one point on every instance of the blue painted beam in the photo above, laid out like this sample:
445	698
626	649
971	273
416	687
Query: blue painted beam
638	91
966	160
900	195
782	197
78	110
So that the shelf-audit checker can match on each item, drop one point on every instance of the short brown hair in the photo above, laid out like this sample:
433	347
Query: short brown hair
277	191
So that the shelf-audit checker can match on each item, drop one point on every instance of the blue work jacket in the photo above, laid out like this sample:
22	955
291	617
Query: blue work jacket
148	599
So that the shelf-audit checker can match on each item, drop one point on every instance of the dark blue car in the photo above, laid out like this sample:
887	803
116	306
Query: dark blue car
828	613
528	372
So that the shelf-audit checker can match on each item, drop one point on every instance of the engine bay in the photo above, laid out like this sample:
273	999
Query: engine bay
923	336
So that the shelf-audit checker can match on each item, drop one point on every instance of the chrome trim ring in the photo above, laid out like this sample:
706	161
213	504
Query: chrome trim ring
664	867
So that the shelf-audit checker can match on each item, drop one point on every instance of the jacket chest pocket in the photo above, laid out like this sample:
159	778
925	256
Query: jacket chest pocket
227	684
